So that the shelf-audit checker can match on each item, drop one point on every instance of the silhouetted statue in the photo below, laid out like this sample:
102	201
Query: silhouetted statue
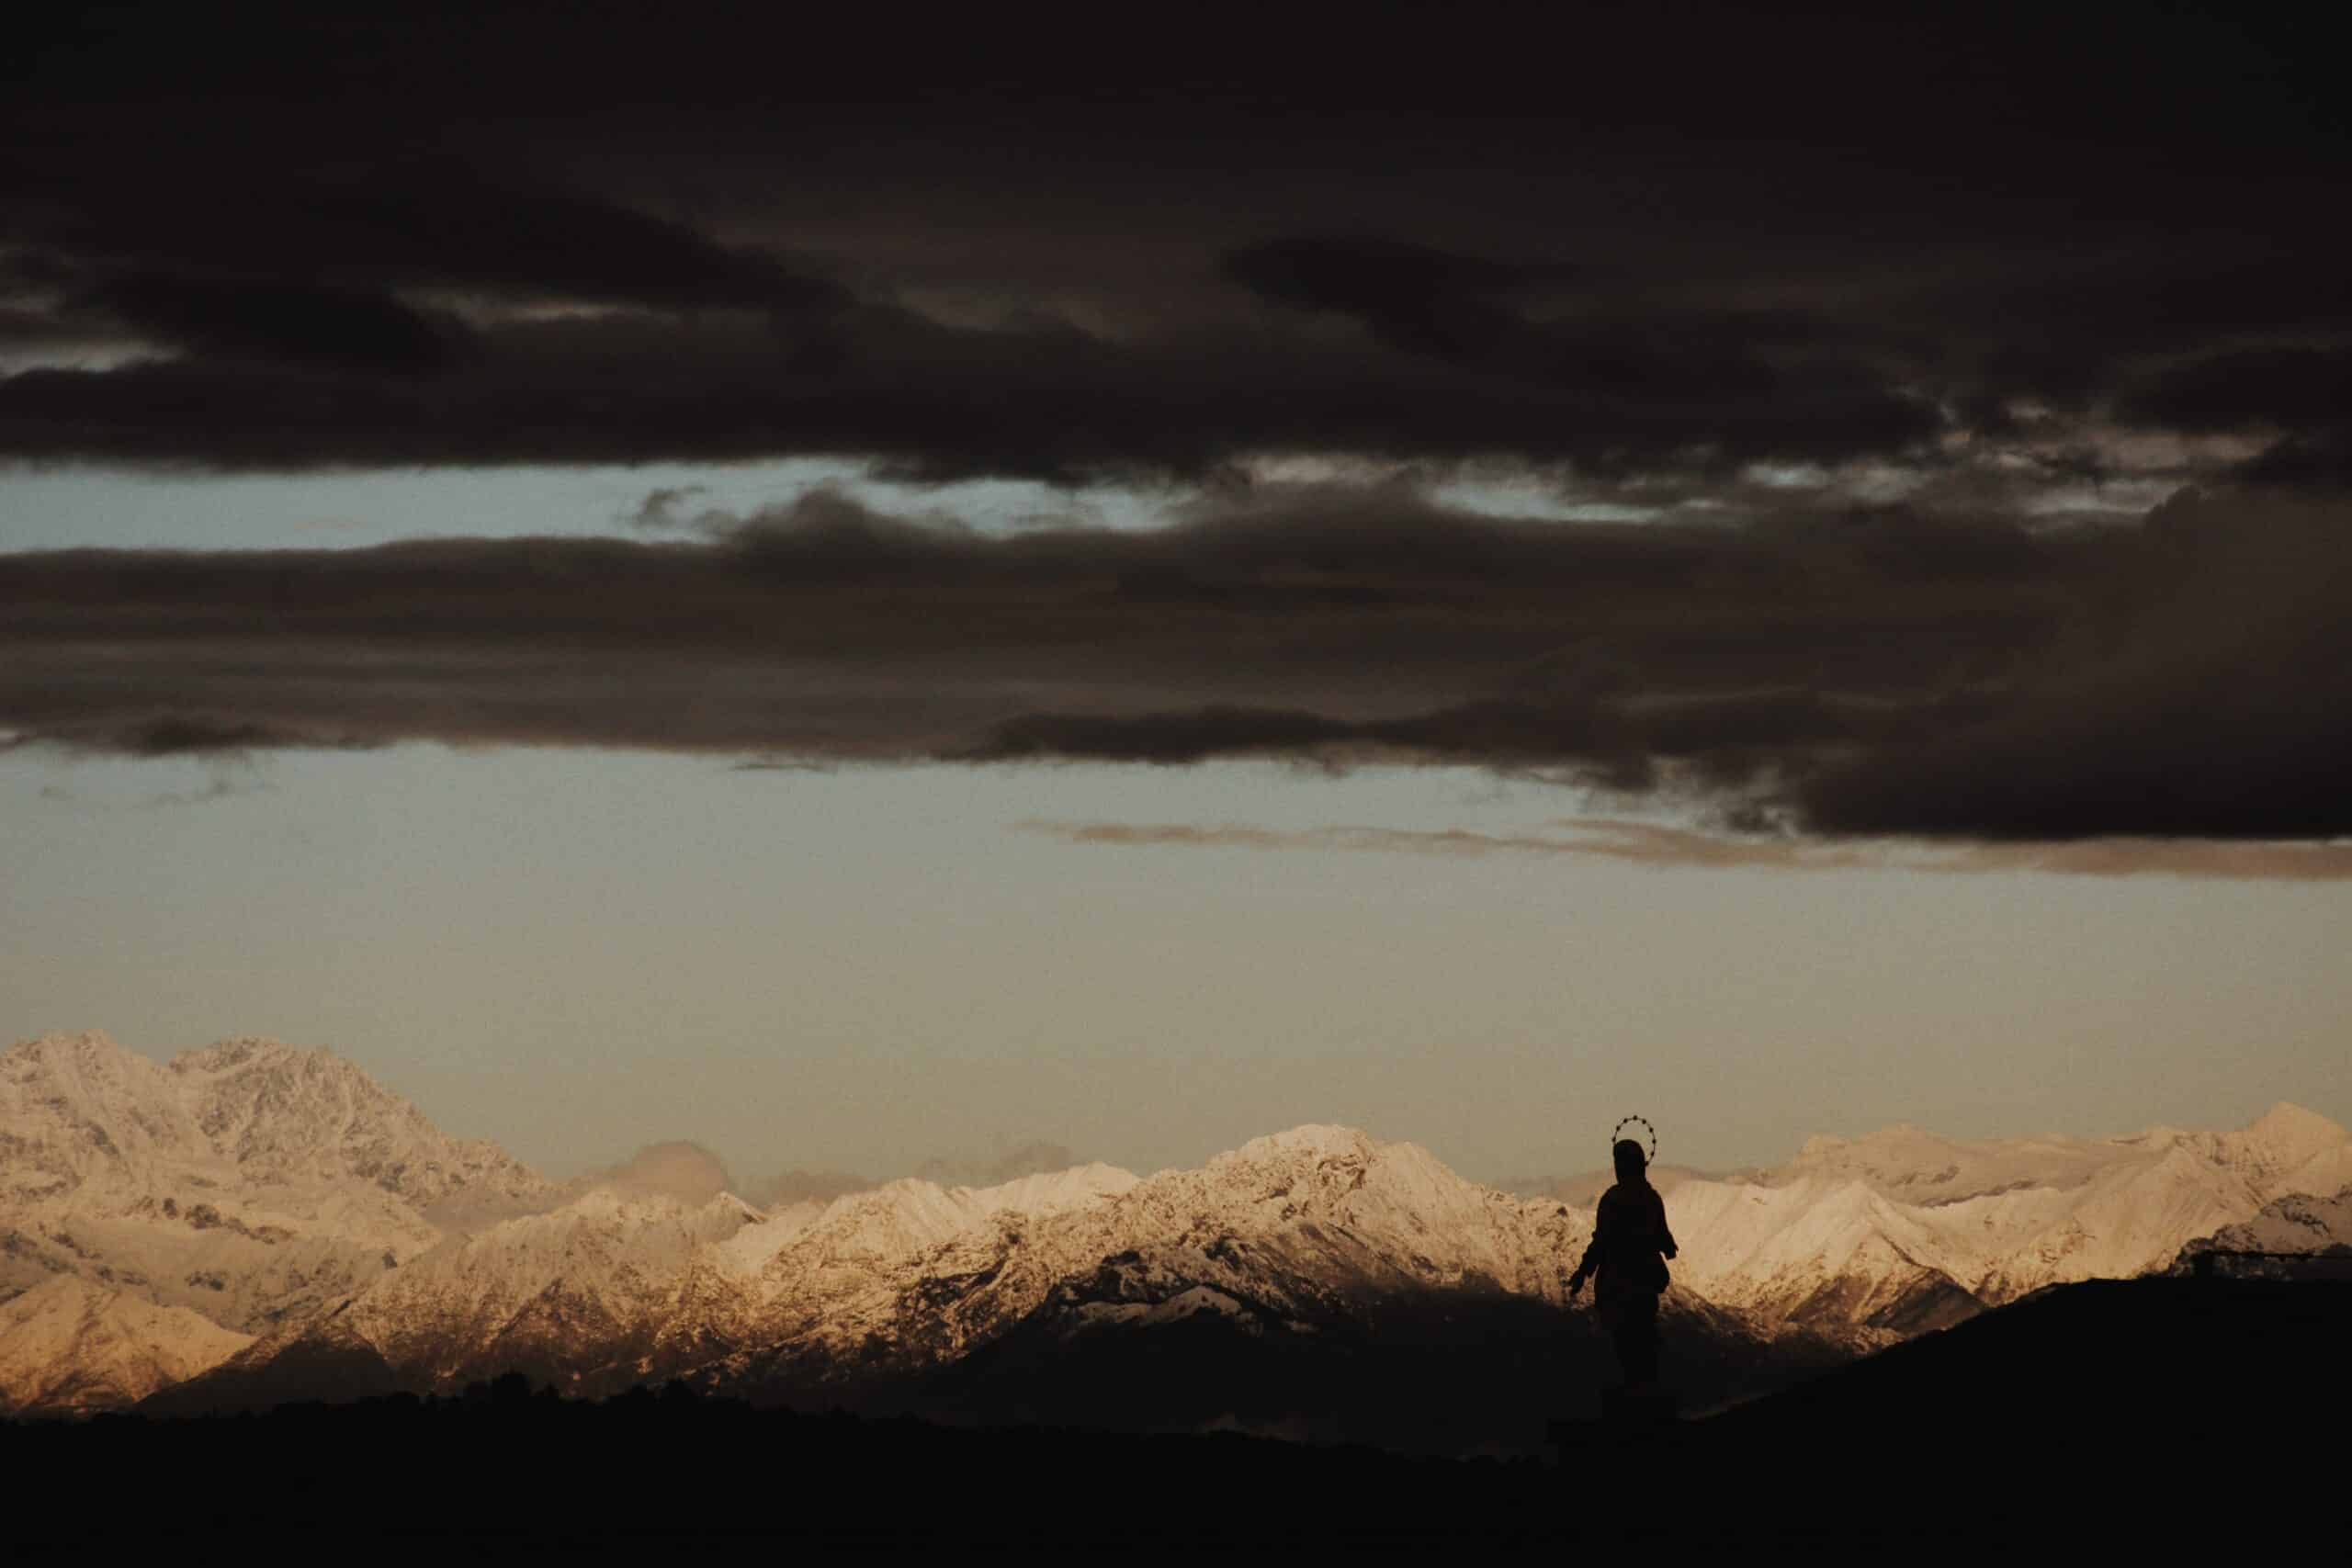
1629	1246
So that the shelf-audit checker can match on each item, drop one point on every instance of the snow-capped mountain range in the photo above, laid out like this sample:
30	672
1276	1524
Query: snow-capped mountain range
1882	1235
231	1224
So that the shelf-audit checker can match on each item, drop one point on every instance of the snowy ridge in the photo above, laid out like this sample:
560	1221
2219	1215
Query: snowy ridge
1296	1231
1881	1235
1304	1230
591	1281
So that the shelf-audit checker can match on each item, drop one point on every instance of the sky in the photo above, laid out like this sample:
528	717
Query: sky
868	600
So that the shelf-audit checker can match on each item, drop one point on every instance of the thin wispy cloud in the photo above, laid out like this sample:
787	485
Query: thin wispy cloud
221	787
1656	844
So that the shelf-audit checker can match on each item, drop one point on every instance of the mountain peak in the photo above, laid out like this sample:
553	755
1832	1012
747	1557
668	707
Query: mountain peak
2287	1137
67	1040
271	1068
73	1057
1316	1140
1048	1190
2289	1122
727	1203
238	1051
79	1104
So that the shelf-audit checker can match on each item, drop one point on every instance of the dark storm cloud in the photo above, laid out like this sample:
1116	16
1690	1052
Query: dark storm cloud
1634	381
1655	243
1856	315
2309	459
2221	705
369	332
2250	389
195	735
407	222
1473	311
1847	674
1421	299
2117	327
2303	392
936	401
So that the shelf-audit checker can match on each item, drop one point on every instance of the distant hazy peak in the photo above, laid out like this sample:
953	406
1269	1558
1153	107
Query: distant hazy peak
1040	1193
1314	1139
1054	1190
2284	1124
2290	1125
1036	1157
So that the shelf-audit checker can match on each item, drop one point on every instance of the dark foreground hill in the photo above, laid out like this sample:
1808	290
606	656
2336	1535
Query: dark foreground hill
1438	1372
2148	1411
2155	1357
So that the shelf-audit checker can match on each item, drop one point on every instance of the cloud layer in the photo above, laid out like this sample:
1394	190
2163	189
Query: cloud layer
1883	349
1855	673
1652	246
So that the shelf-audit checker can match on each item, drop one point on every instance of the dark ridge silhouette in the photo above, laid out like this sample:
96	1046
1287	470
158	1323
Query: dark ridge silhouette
1451	1373
306	1373
2204	1263
2069	1418
1474	1368
2169	1356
